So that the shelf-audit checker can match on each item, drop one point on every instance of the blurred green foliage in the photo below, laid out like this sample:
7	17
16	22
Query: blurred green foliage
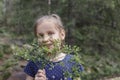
0	9
34	52
94	25
6	68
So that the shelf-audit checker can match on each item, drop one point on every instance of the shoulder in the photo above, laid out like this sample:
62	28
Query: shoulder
69	58
31	68
71	62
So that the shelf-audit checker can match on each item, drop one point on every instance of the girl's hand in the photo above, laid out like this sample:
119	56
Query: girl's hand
78	78
40	75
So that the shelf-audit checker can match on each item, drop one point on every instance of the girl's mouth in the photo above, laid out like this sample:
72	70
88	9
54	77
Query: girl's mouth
48	45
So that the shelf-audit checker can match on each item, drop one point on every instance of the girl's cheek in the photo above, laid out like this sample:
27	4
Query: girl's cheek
39	41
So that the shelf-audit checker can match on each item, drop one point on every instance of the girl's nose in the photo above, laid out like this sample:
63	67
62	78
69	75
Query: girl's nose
46	38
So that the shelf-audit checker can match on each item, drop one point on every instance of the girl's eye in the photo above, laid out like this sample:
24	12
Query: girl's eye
40	35
50	33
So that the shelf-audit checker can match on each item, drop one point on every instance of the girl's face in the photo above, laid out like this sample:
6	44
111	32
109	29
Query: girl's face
47	33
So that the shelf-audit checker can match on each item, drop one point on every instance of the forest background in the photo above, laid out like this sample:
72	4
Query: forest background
93	25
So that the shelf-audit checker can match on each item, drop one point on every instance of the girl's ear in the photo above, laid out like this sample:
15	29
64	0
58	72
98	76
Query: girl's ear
62	34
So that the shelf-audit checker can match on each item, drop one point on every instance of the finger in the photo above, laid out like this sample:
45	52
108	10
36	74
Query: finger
39	78
41	71
44	71
36	78
40	75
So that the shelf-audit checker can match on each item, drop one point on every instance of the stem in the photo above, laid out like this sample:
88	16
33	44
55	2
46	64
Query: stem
49	7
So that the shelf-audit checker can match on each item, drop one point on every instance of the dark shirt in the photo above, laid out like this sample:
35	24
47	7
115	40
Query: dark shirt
56	71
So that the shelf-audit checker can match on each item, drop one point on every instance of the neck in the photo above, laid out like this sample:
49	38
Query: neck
58	57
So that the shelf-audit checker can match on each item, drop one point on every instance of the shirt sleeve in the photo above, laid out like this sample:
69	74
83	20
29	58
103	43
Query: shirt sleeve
75	64
77	68
74	68
31	69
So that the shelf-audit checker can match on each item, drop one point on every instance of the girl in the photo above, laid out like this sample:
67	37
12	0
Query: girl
48	29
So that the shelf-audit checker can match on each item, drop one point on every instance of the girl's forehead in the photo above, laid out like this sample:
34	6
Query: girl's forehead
47	25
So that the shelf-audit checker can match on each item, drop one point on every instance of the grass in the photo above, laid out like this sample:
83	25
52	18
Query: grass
99	66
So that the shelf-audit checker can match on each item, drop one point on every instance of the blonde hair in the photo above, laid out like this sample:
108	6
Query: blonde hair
53	17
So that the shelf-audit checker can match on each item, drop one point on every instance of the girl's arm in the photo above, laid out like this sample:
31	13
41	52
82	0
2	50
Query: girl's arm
29	77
